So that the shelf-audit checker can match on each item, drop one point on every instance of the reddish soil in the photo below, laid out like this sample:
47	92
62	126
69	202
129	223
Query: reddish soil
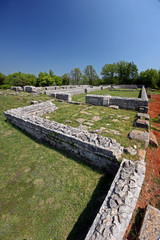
150	193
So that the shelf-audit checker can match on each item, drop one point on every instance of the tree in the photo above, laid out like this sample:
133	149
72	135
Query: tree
44	79
66	79
75	76
150	78
2	78
58	80
20	79
51	73
109	73
90	72
85	80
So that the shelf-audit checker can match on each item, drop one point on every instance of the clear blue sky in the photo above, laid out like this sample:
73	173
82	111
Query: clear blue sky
38	35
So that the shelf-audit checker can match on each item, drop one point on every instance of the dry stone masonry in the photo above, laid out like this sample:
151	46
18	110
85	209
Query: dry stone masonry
138	104
116	211
99	151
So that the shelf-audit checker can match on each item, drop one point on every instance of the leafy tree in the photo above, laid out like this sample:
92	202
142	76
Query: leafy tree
66	79
51	73
109	73
75	76
2	78
90	72
58	80
44	79
150	78
20	79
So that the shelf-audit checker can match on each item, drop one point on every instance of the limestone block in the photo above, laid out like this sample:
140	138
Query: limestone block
143	136
153	140
151	224
141	123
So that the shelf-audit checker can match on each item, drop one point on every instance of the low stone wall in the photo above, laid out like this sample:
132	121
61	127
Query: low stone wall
116	211
124	103
125	86
97	150
32	89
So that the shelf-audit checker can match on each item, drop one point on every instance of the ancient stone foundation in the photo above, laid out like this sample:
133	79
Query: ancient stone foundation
138	104
116	211
97	150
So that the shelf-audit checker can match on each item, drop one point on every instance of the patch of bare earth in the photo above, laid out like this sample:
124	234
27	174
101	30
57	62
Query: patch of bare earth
150	193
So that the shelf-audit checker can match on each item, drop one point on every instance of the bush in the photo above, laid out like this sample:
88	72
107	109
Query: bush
5	86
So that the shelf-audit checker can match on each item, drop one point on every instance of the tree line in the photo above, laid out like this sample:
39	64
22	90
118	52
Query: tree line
122	72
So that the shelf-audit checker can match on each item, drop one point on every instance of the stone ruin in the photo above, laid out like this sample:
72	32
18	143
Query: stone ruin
116	211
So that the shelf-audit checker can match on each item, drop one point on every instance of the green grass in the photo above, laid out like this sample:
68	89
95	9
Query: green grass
131	94
70	113
43	191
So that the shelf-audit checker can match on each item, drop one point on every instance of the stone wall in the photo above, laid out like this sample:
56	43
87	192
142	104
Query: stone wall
97	150
125	86
124	103
116	211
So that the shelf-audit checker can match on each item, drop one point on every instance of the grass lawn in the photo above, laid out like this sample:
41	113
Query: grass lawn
44	192
105	121
129	93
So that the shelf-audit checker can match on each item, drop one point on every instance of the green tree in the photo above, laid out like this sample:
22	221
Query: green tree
51	73
150	78
75	76
44	79
66	79
109	73
85	80
58	80
90	72
2	78
20	79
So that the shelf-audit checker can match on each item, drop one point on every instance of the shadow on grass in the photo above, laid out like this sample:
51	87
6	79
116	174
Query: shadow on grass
87	217
133	234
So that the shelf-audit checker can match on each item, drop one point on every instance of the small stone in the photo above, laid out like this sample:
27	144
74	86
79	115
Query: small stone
131	151
115	120
114	106
153	140
47	117
112	203
96	118
68	121
89	123
142	123
141	154
80	120
126	118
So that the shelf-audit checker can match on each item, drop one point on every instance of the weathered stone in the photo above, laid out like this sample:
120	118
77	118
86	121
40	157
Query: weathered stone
114	106
130	150
141	154
96	118
153	140
143	116
151	224
142	123
80	120
143	136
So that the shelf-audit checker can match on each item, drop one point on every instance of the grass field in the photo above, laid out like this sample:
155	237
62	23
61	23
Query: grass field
44	192
134	94
103	120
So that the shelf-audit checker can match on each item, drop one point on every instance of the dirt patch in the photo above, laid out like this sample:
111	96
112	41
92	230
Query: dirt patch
150	193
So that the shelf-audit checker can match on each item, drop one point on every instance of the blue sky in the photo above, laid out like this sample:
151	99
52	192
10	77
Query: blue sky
38	35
